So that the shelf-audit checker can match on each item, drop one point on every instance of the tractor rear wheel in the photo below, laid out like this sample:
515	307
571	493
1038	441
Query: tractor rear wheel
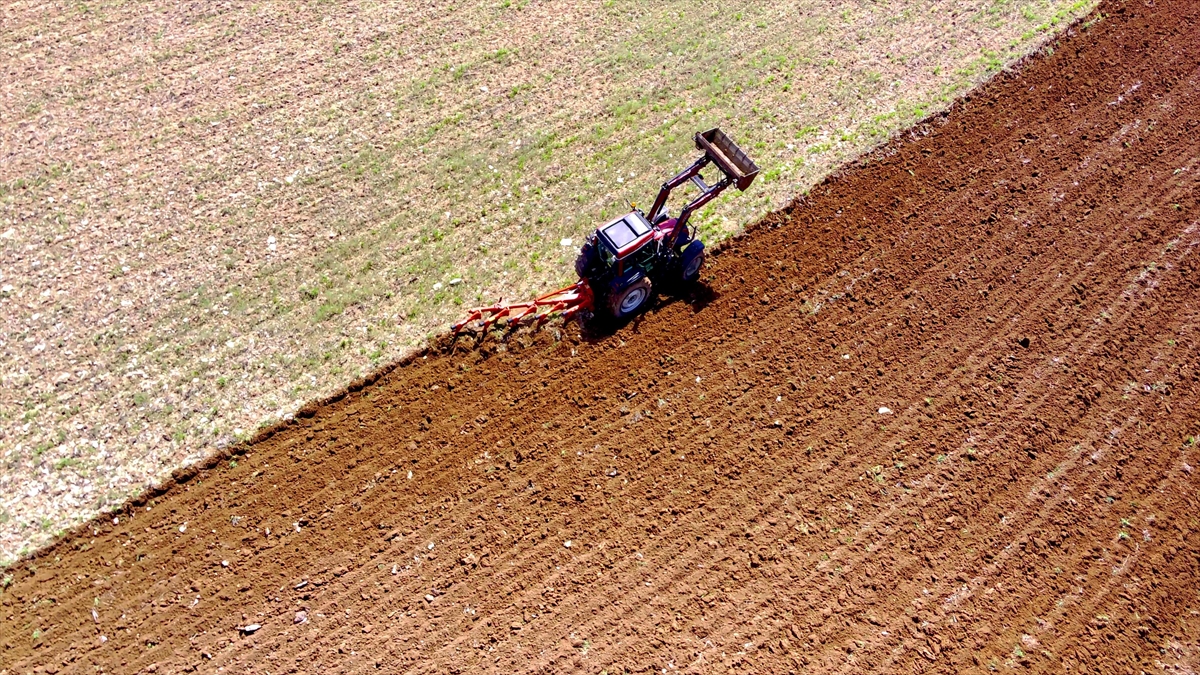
692	261
627	301
586	260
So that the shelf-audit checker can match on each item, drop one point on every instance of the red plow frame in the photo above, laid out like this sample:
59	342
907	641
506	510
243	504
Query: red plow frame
565	302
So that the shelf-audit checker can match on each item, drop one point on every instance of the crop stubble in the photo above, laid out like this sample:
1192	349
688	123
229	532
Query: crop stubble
1015	282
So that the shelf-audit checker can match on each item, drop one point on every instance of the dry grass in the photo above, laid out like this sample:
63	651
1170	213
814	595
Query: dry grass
211	214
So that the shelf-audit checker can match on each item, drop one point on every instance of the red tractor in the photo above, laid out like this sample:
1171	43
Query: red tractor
625	260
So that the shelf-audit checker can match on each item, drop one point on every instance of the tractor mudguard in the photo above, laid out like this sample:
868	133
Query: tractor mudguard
691	261
621	283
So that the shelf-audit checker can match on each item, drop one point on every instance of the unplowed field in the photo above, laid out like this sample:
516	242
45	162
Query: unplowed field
935	417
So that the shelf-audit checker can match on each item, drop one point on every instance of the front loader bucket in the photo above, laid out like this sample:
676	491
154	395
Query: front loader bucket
728	157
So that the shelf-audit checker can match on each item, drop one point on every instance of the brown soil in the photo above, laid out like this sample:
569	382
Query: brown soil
1016	282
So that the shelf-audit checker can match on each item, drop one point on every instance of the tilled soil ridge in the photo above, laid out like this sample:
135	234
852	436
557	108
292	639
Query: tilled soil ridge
939	416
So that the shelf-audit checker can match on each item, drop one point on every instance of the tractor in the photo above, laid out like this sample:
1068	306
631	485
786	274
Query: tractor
626	260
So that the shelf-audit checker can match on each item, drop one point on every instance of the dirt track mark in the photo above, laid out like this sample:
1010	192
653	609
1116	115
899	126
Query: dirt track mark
733	497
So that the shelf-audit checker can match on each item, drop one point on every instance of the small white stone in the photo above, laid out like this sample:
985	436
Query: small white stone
437	286
430	546
567	241
885	411
455	281
567	544
846	357
183	528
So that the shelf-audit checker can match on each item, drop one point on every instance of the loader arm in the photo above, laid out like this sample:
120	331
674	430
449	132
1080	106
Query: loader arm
719	150
660	202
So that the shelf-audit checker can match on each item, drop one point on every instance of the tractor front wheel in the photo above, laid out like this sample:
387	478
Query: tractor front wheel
627	301
692	261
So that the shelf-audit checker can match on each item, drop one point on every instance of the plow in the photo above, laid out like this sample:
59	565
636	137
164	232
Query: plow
565	302
625	261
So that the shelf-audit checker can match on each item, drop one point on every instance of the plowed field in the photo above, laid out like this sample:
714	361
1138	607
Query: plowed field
937	416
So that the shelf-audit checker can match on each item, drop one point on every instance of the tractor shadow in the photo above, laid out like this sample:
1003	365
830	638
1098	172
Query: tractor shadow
697	296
